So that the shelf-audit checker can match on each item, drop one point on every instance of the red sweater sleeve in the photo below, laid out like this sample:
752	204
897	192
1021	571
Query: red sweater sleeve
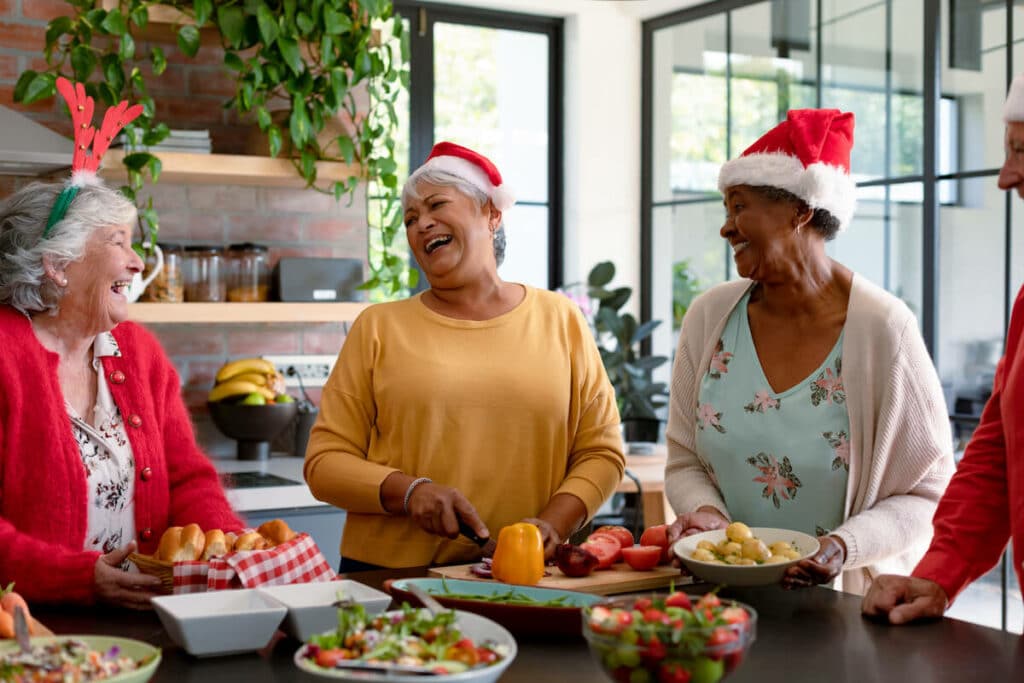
972	521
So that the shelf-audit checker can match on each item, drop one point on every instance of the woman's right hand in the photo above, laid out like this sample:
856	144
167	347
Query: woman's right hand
118	587
705	518
437	510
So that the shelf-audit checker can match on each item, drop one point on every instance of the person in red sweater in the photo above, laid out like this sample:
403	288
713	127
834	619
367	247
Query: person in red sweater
983	506
97	453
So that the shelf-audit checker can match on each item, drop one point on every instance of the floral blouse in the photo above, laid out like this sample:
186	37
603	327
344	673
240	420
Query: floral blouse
109	462
779	459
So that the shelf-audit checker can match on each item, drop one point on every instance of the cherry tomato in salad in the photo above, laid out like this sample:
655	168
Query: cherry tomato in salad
486	655
679	599
673	672
709	600
735	615
329	658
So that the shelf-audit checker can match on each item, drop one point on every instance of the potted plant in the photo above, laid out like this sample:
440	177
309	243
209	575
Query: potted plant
316	58
619	336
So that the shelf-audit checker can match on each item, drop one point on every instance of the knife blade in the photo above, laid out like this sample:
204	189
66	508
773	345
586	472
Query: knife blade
21	629
356	665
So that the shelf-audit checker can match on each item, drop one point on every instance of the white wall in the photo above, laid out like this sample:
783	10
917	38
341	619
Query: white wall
602	127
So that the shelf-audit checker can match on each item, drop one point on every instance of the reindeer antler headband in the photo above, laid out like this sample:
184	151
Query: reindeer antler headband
84	165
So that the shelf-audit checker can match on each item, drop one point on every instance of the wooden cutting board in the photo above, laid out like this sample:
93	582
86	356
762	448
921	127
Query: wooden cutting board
618	579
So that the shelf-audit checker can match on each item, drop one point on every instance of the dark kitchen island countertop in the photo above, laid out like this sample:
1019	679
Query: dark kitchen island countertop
815	635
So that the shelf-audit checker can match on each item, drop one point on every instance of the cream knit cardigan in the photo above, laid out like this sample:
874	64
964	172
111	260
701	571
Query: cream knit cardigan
900	442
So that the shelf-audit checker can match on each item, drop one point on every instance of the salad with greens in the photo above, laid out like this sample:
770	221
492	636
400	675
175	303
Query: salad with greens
407	639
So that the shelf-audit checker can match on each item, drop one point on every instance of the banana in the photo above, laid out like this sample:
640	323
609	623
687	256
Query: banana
256	378
233	388
244	365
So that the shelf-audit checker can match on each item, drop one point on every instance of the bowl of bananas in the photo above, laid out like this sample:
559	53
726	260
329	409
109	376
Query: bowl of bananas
248	403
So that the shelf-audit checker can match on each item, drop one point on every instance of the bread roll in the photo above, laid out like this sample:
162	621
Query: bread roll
191	545
251	540
229	541
169	543
276	532
215	545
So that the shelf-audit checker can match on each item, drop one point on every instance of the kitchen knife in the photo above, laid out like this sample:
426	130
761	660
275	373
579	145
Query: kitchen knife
467	531
21	629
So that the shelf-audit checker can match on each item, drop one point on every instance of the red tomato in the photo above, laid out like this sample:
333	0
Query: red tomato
642	603
486	655
328	658
735	615
655	616
673	672
658	535
609	539
722	636
709	600
642	557
679	599
603	551
623	535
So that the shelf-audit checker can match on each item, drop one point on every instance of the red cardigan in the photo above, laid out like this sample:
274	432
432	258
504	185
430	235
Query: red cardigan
983	506
43	503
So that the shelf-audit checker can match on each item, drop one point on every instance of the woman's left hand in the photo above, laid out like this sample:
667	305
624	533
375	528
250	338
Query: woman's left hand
821	567
550	535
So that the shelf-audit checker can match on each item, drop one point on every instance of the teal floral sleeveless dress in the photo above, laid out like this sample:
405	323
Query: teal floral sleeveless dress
779	459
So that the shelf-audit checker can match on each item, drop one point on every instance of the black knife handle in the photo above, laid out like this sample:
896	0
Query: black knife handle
467	531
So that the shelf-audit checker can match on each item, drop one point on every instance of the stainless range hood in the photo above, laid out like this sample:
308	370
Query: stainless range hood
30	149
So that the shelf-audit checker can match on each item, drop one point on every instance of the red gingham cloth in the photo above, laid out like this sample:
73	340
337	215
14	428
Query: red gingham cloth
297	561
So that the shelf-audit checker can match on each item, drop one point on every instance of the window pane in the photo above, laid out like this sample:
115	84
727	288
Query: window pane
883	242
773	71
491	94
688	92
977	93
690	256
526	251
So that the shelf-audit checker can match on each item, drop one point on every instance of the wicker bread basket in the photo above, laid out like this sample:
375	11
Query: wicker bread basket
162	569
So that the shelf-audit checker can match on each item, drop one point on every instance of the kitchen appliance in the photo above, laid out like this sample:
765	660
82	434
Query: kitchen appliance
28	148
318	279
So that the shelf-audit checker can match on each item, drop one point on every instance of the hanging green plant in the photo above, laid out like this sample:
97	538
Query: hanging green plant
300	70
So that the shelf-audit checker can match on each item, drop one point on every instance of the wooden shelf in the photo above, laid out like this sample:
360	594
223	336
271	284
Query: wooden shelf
218	313
228	169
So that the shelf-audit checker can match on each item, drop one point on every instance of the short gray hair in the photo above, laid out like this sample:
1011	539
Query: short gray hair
23	217
435	176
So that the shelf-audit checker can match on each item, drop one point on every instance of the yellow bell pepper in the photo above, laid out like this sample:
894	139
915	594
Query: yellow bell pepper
519	557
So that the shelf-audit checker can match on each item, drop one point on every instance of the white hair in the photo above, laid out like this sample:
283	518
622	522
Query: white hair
23	217
435	176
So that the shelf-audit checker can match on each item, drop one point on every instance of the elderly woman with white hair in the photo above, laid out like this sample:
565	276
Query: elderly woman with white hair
477	401
803	396
97	454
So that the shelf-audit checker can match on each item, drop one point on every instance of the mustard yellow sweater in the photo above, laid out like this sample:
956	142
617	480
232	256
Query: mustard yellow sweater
509	411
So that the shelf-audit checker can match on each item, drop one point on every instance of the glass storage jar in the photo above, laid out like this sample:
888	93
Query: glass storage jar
204	278
169	284
248	272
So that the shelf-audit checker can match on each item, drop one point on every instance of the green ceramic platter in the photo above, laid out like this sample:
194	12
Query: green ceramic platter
135	649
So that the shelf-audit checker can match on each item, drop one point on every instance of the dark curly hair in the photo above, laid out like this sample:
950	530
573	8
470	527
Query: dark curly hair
823	221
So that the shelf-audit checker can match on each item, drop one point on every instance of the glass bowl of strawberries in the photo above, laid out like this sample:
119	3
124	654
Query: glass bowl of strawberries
673	638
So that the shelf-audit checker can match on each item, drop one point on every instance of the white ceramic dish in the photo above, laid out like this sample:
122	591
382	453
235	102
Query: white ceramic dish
743	575
219	622
311	607
472	626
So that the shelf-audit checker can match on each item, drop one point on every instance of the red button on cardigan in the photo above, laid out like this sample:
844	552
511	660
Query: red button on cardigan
134	420
117	377
146	534
147	473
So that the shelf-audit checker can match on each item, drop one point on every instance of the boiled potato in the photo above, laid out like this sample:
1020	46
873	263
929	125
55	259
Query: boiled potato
755	549
732	559
703	555
776	559
707	545
791	554
745	561
738	531
730	548
780	547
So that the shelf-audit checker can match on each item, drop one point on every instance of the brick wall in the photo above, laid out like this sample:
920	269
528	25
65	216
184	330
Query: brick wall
190	94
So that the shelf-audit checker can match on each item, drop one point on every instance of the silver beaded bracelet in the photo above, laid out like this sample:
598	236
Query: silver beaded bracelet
412	487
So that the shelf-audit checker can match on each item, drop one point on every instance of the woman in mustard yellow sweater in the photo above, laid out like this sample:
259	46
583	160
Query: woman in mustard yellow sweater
477	400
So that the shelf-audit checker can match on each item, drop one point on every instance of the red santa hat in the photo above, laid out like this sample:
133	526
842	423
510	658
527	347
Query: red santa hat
474	168
1013	110
808	155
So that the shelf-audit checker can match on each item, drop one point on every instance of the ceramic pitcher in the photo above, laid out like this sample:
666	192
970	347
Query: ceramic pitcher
139	284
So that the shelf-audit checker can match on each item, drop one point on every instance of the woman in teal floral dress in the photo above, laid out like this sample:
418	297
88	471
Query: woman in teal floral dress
802	395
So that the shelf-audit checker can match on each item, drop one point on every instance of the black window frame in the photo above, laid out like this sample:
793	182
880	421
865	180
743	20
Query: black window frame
422	17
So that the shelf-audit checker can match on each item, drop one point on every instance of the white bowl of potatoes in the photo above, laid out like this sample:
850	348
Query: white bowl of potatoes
744	556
